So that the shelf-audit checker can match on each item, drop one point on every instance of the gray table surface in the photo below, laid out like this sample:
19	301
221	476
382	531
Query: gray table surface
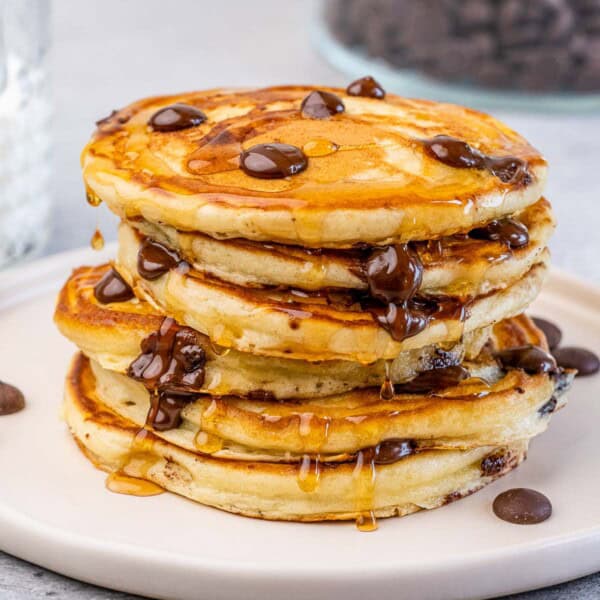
109	52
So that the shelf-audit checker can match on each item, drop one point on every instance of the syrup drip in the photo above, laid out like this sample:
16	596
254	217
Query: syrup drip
365	476
120	483
319	148
367	522
207	443
92	198
218	350
97	241
309	473
140	458
387	387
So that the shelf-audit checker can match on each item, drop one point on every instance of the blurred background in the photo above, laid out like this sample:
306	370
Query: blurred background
535	64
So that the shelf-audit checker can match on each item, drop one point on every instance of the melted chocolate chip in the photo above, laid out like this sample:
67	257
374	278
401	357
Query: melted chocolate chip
548	408
510	232
532	359
176	117
460	155
454	153
394	273
261	395
11	399
389	451
571	357
402	320
522	506
112	288
551	331
508	169
273	161
107	119
321	105
165	409
367	87
172	359
493	464
155	259
112	122
432	380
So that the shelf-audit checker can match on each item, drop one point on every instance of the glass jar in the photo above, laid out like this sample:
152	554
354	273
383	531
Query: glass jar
500	51
24	128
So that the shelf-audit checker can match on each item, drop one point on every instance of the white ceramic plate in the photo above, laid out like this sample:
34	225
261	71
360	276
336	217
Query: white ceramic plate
55	510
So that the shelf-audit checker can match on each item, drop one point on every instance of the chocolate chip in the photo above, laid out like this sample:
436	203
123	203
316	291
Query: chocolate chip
389	451
321	105
155	259
367	87
260	395
522	506
112	288
393	273
454	152
529	358
11	399
507	44
176	117
493	464
273	161
550	330
548	408
572	357
434	379
506	231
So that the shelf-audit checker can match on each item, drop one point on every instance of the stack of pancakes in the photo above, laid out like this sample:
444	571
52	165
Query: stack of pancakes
316	308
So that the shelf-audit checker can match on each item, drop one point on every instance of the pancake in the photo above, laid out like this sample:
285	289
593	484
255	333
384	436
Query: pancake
370	174
283	323
353	490
452	265
491	407
112	334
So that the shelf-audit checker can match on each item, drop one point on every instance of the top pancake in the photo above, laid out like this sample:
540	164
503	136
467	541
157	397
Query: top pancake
380	186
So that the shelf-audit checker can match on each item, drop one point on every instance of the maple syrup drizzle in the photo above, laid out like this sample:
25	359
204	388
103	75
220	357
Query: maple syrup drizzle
386	392
319	147
365	477
119	483
140	458
92	198
309	473
207	443
97	241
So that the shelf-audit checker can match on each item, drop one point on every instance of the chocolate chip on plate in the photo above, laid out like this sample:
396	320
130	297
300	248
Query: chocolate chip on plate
522	506
572	357
551	331
11	399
